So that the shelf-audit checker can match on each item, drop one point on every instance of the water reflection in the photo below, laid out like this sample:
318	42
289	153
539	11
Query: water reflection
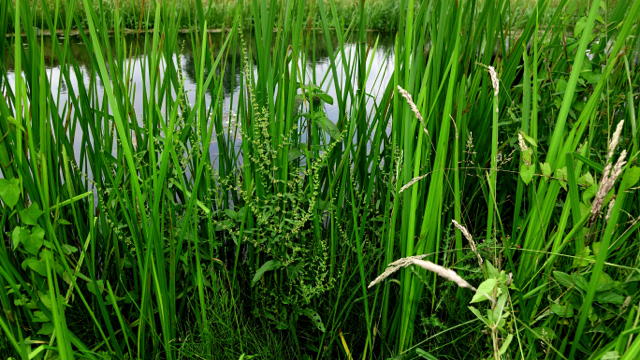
81	74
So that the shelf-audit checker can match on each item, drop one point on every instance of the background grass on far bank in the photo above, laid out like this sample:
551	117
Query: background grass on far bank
381	14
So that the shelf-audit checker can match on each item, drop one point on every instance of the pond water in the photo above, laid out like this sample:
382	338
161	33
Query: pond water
318	72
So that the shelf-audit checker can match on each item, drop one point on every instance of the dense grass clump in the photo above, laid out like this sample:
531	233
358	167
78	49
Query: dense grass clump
482	204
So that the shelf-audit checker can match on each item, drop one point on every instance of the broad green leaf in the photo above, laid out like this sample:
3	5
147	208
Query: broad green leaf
546	169
326	98
584	208
565	310
586	180
68	249
40	317
62	222
591	77
596	247
46	255
477	313
47	329
605	282
327	125
561	176
32	240
580	25
313	315
268	266
588	194
35	265
109	300
631	178
505	344
563	279
583	258
46	301
294	153
10	191
609	297
231	213
561	86
498	310
485	290
30	215
493	272
527	172
582	283
96	290
527	156
15	236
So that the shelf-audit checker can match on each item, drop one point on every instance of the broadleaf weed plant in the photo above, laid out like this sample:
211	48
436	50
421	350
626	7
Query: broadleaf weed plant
293	271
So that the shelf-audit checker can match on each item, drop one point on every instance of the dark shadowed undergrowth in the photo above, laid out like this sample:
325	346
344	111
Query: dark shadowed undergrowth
492	183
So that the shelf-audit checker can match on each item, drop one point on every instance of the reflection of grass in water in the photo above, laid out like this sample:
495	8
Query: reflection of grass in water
231	126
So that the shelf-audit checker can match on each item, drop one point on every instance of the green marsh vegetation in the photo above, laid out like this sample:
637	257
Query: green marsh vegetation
140	14
503	160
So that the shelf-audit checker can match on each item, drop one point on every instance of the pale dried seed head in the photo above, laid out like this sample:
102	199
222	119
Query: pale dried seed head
444	272
411	182
472	243
463	230
611	204
615	139
609	177
617	170
523	145
413	107
404	262
602	191
494	80
395	266
417	260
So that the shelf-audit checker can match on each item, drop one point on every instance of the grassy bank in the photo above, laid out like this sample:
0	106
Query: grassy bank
496	191
381	15
134	14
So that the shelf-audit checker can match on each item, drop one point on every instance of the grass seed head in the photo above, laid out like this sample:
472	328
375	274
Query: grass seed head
609	177
611	204
444	272
494	80
523	145
428	265
413	106
615	139
472	243
411	182
395	266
